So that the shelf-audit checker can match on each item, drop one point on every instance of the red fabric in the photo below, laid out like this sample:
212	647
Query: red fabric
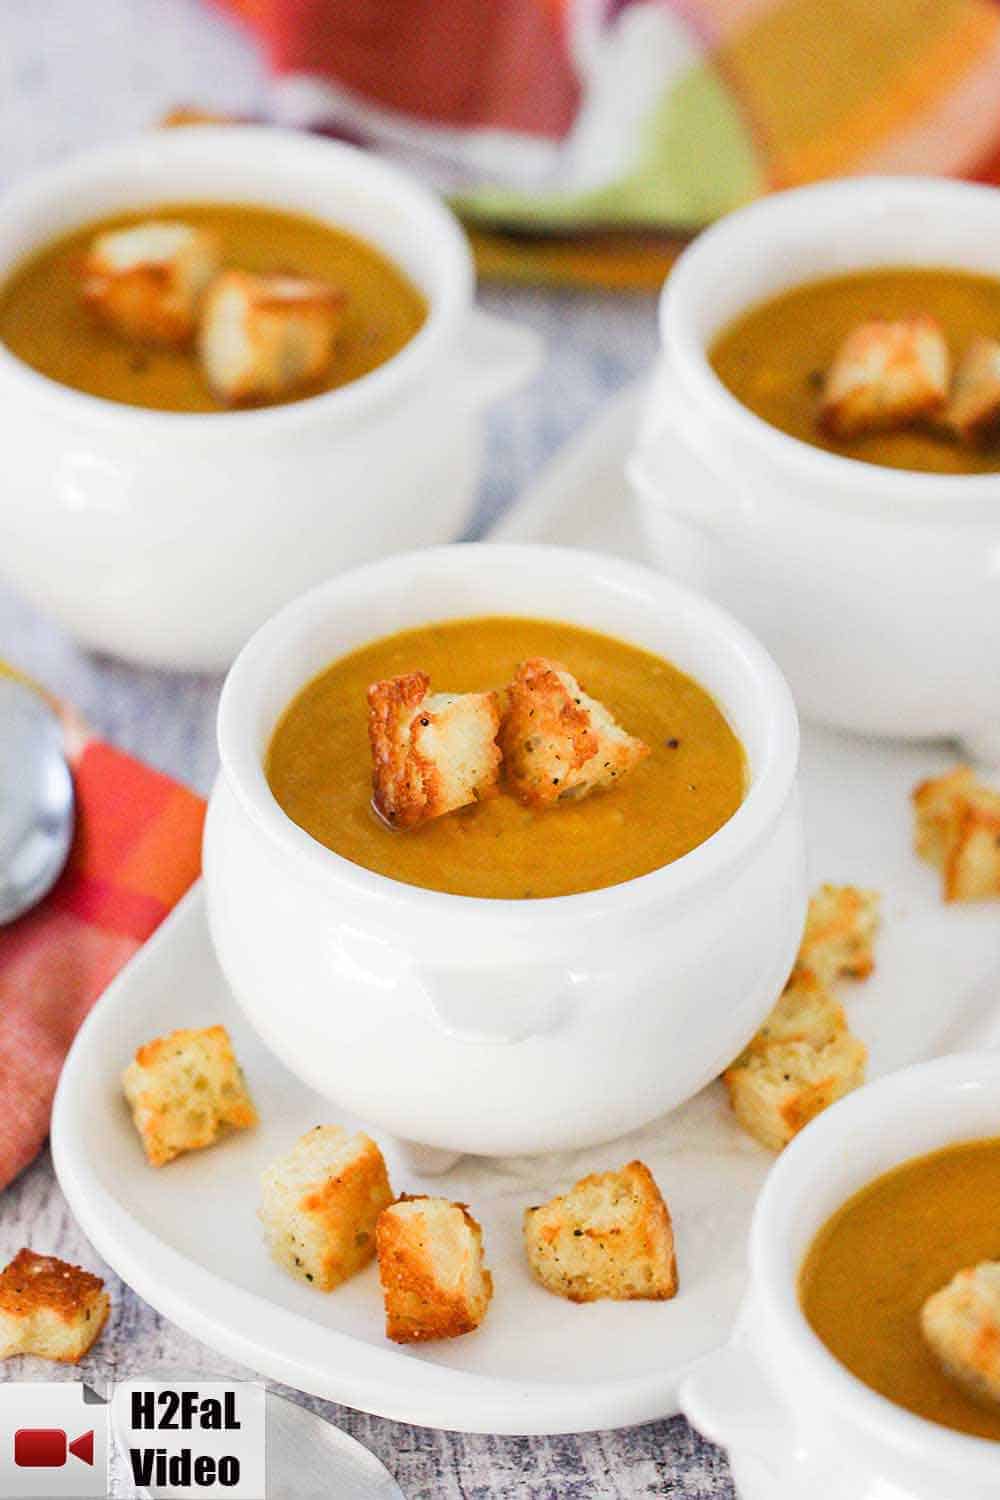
137	850
498	63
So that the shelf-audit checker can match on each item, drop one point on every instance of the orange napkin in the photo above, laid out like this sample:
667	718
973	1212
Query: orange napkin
137	850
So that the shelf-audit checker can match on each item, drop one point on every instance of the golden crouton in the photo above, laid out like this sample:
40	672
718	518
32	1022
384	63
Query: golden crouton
973	871
961	1323
50	1308
958	829
886	375
320	1203
609	1236
183	1089
557	742
147	281
939	805
263	337
804	1056
776	1090
805	1012
973	412
430	1261
432	753
838	942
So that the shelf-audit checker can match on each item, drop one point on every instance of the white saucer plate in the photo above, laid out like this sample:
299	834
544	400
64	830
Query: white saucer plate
187	1237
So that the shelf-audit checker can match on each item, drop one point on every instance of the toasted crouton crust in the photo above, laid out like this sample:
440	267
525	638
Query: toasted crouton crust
973	411
430	1261
147	281
839	936
958	830
776	1090
320	1204
609	1236
886	375
431	752
961	1323
556	741
184	1089
50	1308
263	337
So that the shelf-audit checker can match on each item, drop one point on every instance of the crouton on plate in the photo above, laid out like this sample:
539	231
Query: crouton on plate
320	1203
184	1089
973	871
609	1236
776	1090
961	1323
886	375
805	1012
50	1308
939	805
431	752
556	741
958	830
430	1262
973	412
838	942
264	337
147	281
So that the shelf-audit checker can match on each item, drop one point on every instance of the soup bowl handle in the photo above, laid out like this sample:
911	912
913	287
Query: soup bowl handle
495	357
728	1397
675	465
496	1005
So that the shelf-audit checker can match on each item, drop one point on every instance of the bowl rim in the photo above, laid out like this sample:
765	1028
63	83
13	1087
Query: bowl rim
802	1162
771	785
270	144
682	290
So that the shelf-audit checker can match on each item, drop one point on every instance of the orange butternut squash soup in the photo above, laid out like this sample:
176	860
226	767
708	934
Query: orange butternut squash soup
319	766
775	357
889	1248
44	322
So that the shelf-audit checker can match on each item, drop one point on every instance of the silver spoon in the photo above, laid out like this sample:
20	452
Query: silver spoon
36	799
310	1459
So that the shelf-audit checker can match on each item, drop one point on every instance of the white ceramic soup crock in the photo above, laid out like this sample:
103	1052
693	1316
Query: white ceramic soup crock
498	1026
877	591
796	1422
169	537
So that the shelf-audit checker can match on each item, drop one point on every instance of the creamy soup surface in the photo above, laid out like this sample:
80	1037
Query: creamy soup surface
888	1249
774	356
319	766
44	322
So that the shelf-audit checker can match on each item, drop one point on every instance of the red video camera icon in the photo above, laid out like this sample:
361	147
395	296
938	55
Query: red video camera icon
49	1448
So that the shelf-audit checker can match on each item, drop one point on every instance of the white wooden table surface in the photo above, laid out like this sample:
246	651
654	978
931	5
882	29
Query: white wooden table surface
77	72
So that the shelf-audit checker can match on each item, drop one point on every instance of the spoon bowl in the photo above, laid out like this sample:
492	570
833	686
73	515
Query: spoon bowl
36	799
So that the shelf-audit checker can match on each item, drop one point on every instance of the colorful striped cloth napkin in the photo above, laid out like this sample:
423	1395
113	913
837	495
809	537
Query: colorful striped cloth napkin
579	136
137	850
